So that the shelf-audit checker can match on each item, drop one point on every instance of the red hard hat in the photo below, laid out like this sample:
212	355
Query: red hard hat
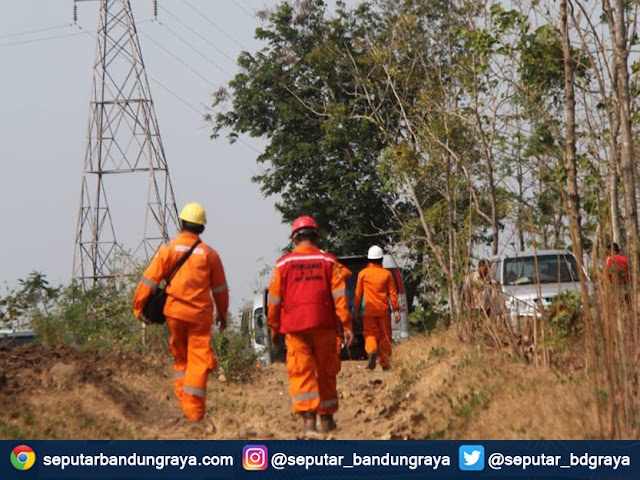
303	222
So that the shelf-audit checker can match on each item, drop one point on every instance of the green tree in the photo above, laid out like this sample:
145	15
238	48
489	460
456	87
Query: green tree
34	298
297	92
417	77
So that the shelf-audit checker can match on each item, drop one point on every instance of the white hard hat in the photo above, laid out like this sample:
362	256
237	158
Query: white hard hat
375	253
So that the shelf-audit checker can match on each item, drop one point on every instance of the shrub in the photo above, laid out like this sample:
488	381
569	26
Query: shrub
425	320
235	356
98	318
564	315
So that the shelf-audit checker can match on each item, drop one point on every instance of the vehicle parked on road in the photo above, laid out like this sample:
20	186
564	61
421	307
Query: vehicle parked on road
254	326
15	333
529	281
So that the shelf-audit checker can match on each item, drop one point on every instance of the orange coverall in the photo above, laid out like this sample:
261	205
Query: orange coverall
312	359
346	273
377	286
189	311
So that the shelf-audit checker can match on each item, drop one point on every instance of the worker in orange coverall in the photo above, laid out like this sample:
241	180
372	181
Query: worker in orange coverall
375	287
346	274
189	308
306	297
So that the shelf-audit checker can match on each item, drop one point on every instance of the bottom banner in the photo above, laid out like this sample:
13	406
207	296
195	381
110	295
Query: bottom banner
124	460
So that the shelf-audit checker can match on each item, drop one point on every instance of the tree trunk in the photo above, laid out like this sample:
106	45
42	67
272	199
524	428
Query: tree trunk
627	154
573	195
613	180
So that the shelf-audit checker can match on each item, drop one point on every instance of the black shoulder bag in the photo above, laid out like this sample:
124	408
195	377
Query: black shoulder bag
154	308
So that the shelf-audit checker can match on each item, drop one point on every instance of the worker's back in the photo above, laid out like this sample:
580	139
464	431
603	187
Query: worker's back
378	289
400	330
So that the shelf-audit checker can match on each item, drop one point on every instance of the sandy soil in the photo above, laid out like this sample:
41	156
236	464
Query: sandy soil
439	387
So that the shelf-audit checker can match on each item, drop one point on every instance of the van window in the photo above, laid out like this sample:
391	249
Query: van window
552	269
258	325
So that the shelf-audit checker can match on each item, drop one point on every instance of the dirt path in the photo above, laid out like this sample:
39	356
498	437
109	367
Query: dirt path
438	388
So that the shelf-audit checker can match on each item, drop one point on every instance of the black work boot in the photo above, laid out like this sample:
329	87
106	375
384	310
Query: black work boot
308	422
327	423
373	358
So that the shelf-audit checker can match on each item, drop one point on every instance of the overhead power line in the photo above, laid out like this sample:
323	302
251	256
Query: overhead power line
213	24
36	40
57	37
161	85
176	96
165	88
200	36
31	32
244	9
92	33
196	50
202	113
178	59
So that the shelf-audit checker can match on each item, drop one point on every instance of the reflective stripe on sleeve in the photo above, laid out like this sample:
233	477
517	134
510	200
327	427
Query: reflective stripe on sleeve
149	283
337	293
219	289
178	373
274	300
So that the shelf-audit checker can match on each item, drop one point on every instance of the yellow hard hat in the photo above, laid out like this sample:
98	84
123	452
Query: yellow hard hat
193	213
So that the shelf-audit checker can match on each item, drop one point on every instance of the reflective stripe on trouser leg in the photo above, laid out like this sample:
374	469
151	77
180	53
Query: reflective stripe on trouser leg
178	347
303	382
384	340
327	368
200	360
371	332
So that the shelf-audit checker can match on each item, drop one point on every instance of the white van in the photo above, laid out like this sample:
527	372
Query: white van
253	324
529	281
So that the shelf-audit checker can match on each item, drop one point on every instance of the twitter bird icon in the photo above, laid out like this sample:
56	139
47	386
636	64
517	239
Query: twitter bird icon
471	458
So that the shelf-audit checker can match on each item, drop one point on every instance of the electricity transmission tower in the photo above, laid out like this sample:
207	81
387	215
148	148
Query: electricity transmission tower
125	179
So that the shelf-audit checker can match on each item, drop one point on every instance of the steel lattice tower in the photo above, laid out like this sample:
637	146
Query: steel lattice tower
124	158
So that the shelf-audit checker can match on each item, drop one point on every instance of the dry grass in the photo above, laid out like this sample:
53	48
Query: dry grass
475	392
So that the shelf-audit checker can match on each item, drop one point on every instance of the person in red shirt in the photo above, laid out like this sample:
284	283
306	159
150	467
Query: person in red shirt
306	298
191	295
617	266
375	288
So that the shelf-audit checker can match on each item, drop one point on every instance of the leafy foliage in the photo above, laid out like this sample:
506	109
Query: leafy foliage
235	356
321	156
99	318
565	315
34	297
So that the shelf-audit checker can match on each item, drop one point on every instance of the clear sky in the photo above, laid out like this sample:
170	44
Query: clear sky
45	79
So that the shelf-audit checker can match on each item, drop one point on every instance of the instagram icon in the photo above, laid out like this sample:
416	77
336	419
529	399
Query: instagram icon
254	457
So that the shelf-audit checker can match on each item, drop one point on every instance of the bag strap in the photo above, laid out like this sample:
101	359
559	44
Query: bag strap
181	261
